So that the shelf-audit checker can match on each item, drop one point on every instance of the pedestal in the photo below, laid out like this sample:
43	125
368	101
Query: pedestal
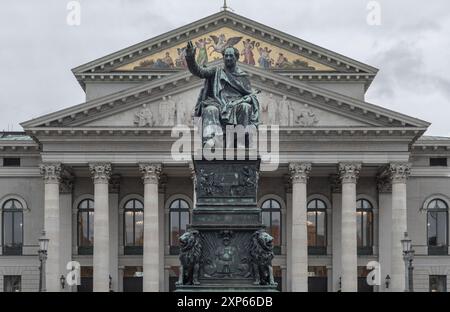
226	247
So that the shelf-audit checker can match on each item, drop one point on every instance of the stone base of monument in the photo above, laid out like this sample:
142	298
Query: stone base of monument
226	247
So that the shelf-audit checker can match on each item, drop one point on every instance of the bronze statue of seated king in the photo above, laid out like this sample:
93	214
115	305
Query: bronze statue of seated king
227	97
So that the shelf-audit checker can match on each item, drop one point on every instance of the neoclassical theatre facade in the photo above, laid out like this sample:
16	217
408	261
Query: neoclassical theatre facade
100	178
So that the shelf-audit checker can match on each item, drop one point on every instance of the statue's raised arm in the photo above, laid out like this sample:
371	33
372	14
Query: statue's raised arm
193	66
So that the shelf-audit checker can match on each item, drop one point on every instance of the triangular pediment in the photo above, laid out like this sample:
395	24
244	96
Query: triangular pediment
293	104
271	49
254	51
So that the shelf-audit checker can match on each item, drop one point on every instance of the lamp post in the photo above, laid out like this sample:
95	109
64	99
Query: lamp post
43	246
408	257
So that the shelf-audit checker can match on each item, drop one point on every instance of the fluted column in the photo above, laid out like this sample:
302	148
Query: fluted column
52	177
349	174
101	174
151	257
299	248
398	173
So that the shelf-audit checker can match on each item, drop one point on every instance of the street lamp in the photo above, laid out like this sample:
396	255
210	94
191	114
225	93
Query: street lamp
62	281
43	246
408	257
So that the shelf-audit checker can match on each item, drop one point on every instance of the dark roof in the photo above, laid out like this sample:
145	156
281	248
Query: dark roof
14	136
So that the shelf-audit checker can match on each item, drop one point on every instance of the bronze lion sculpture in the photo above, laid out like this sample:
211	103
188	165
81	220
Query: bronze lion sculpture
190	252
261	255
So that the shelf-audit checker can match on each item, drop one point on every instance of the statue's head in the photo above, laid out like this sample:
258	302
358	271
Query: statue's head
230	56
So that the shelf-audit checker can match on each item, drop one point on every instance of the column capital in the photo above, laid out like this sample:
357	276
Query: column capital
399	172
349	172
100	173
150	173
51	173
299	172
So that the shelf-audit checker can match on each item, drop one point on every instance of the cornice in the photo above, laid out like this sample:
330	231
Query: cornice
142	77
19	148
432	146
286	133
133	158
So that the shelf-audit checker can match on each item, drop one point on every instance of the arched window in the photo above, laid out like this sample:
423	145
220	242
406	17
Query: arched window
437	215
271	218
133	227
85	227
179	219
12	216
364	222
317	227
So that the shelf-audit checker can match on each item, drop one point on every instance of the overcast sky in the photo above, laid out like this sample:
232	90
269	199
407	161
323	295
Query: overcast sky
410	47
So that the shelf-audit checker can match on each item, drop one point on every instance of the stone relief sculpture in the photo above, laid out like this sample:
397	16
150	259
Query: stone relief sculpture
285	108
190	253
307	118
265	111
179	114
167	111
261	253
144	117
273	110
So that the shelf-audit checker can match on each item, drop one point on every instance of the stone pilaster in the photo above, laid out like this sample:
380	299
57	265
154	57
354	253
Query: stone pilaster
336	199
101	174
151	258
299	247
349	173
384	187
51	174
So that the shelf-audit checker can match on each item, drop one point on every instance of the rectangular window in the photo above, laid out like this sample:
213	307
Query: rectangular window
438	283
438	162
11	162
12	283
